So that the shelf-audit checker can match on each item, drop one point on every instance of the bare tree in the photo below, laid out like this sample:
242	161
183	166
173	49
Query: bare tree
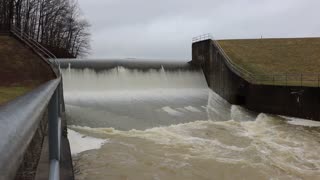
56	24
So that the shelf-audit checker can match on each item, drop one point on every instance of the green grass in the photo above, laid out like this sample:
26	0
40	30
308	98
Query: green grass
10	93
267	57
21	69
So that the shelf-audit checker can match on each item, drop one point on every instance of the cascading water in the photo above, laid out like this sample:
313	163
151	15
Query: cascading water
132	99
159	124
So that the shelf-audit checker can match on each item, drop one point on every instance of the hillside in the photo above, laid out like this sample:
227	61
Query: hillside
21	70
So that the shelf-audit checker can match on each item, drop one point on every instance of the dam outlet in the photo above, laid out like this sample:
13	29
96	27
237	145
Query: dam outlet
162	123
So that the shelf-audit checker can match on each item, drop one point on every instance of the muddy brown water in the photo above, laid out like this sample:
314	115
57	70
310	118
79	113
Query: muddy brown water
128	124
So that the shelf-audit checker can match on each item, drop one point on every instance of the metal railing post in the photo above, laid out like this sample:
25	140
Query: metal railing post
54	170
54	130
53	118
59	99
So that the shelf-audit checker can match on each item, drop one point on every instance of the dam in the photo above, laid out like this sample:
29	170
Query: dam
130	119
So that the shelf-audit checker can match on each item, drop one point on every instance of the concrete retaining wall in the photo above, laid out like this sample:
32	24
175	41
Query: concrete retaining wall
303	102
28	167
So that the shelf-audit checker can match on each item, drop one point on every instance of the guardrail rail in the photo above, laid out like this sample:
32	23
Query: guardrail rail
19	120
43	52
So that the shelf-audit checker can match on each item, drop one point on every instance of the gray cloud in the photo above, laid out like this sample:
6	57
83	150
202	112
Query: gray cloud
164	29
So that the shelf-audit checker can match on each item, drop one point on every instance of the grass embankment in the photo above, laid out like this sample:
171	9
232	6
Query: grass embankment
9	93
21	69
278	61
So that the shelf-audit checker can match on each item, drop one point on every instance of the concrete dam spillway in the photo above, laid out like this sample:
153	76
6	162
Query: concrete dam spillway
161	121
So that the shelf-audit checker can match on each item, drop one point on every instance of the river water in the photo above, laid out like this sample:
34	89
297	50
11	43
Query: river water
158	124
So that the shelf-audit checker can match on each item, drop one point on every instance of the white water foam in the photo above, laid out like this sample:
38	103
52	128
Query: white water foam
171	111
302	122
80	143
192	109
134	112
126	99
260	149
125	79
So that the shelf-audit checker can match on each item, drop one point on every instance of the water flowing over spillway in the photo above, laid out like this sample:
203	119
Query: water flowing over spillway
160	124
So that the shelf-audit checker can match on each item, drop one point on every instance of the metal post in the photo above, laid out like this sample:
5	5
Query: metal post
53	121
54	129
59	99
63	108
54	173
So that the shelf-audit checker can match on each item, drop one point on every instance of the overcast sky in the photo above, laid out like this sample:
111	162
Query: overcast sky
163	29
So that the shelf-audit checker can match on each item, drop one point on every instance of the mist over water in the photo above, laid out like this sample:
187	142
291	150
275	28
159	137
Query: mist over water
158	124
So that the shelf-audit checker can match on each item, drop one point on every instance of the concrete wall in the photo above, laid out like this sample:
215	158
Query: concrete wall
139	64
28	167
303	102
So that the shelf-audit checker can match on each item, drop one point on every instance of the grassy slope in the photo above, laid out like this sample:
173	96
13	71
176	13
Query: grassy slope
21	70
277	56
8	93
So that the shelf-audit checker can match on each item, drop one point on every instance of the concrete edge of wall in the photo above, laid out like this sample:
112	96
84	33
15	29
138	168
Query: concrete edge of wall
295	101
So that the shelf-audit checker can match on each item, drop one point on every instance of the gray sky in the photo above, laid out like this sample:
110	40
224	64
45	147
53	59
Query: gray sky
163	29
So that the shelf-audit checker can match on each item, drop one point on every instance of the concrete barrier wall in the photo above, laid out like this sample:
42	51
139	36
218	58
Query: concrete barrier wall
303	102
28	166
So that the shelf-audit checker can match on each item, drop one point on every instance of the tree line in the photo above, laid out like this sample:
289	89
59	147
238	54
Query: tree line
56	24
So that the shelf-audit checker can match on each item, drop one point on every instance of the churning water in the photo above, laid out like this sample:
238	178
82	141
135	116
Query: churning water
158	124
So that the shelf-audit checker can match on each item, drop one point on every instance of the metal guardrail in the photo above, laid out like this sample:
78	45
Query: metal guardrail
285	79
288	79
202	37
234	67
37	47
19	120
55	108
